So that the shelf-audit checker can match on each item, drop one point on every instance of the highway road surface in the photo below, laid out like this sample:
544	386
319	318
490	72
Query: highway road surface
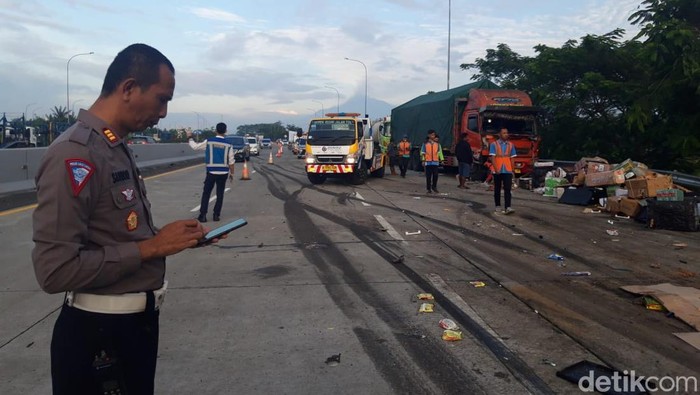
335	269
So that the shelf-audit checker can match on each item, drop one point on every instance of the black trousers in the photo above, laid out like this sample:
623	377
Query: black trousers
129	341
431	177
507	181
220	181
403	165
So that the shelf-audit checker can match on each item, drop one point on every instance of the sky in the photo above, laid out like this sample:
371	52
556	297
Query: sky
243	62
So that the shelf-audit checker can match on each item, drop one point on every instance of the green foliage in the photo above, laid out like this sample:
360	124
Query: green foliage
617	99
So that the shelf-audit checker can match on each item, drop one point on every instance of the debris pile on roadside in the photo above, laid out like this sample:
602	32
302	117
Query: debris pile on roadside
626	189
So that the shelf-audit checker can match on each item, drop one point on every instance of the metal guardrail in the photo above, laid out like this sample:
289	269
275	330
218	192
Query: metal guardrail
686	180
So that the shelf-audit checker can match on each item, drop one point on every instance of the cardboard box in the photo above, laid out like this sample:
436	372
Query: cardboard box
630	207
604	178
641	188
670	195
583	162
579	178
625	166
597	167
613	205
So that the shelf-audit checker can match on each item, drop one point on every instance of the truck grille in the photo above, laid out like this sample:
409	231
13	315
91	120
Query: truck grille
522	151
330	159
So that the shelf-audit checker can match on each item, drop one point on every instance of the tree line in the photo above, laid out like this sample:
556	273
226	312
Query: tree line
615	98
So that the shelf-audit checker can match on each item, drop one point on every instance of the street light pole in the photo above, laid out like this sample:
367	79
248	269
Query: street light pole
323	110
365	66
68	79
449	37
337	92
315	111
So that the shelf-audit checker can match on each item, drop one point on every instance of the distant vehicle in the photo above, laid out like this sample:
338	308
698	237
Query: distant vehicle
240	146
253	144
139	139
266	143
17	144
300	148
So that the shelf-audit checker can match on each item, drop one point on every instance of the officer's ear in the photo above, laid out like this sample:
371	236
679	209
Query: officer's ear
127	88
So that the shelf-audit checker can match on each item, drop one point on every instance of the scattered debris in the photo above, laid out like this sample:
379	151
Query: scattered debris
652	304
426	296
477	284
680	246
686	273
451	336
611	222
555	257
588	210
622	216
576	274
333	360
548	362
447	323
426	308
655	266
261	245
518	234
313	246
398	260
417	197
612	232
413	233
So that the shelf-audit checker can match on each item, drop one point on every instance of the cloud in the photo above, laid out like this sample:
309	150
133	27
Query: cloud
218	15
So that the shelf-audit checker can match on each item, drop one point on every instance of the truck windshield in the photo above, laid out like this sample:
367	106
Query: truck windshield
521	124
332	131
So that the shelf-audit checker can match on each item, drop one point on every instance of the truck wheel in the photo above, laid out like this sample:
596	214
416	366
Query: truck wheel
316	179
379	173
359	176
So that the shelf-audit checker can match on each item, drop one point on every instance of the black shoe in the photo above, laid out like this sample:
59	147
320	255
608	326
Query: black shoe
435	190
202	218
216	217
429	191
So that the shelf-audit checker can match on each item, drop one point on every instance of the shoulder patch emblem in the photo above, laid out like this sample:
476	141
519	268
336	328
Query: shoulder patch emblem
128	194
79	172
110	135
132	221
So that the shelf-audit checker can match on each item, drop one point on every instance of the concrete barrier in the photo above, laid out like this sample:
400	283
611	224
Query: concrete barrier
19	166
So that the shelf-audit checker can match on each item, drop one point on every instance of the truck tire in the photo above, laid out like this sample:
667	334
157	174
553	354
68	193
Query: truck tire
359	176
379	173
316	179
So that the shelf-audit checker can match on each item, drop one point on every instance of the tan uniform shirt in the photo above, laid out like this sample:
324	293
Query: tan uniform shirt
92	209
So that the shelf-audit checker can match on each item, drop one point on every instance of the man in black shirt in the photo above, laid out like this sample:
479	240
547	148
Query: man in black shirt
465	158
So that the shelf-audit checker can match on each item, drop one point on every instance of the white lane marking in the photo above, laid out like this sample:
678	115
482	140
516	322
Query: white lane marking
210	200
357	195
389	229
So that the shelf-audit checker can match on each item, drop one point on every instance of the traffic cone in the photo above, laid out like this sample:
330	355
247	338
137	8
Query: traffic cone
245	175
269	161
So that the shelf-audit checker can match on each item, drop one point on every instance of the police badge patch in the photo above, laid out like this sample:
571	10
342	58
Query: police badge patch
132	221
79	172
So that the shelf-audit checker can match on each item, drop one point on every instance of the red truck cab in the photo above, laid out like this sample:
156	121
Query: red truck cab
487	111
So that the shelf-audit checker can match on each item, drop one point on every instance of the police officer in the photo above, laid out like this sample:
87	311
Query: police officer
95	238
404	155
219	158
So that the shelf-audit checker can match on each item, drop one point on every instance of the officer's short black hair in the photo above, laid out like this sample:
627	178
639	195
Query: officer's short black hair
221	128
138	61
431	131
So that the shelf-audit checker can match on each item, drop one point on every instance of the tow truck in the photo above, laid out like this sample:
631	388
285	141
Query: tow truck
343	145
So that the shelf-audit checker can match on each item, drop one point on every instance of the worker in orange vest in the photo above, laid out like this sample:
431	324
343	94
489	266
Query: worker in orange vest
502	153
431	155
404	155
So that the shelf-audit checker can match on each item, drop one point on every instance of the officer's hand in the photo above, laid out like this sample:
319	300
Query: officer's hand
171	239
189	134
230	177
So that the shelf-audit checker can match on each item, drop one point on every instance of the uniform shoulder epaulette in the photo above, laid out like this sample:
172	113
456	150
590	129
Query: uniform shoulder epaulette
81	135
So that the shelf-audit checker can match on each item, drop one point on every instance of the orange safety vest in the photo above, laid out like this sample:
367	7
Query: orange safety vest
432	152
503	159
404	148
